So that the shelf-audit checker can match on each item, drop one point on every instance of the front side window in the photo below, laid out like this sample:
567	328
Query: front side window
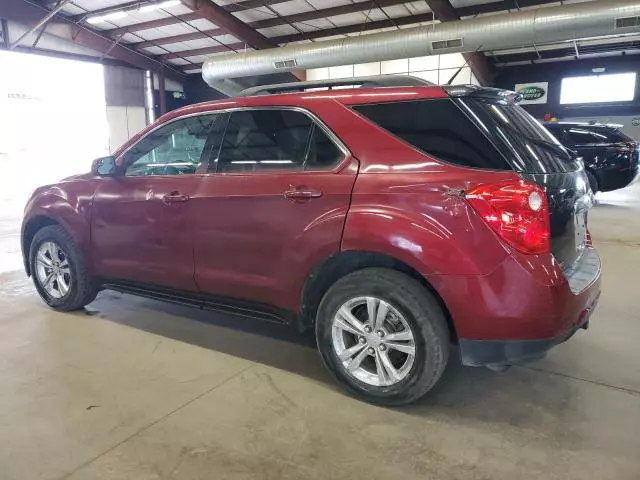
173	149
265	140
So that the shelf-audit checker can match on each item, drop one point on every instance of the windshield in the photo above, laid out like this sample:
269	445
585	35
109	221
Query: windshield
521	138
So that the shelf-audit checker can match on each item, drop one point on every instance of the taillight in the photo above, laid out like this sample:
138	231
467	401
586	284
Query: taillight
517	211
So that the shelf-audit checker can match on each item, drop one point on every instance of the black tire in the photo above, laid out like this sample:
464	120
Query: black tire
593	182
82	290
421	311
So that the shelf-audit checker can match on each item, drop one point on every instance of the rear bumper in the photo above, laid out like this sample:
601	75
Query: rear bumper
520	310
477	353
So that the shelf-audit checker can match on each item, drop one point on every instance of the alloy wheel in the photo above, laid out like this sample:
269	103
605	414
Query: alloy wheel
373	341
52	270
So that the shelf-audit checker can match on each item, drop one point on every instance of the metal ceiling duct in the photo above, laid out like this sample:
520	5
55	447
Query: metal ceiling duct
496	32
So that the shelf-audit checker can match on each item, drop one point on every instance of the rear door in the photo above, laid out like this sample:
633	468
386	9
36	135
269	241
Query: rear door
272	206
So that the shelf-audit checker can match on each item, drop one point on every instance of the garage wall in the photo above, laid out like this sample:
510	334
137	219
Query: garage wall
434	68
625	113
125	100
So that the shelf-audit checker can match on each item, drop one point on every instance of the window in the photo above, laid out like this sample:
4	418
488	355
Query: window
438	128
591	135
323	153
263	140
520	137
617	87
173	149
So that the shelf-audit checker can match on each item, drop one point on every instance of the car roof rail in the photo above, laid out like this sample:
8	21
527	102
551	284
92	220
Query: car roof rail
355	82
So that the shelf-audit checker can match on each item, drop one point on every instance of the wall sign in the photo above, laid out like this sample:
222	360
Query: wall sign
635	121
533	93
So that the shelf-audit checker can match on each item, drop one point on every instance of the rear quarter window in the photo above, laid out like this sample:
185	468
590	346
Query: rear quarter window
438	128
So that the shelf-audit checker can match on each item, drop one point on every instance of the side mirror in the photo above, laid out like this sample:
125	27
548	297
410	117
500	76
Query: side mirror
104	167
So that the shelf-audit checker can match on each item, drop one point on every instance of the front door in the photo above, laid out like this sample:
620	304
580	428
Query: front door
272	208
142	224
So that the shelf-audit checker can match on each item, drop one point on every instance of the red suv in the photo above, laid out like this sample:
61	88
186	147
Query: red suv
395	221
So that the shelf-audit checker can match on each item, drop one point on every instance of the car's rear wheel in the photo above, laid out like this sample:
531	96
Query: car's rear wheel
59	271
383	336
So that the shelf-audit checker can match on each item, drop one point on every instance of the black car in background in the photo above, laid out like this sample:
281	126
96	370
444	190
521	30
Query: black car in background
611	157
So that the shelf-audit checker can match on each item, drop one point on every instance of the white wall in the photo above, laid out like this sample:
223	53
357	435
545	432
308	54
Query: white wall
125	103
434	68
56	39
124	123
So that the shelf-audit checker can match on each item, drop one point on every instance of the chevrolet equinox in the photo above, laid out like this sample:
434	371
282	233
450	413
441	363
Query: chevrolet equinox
396	221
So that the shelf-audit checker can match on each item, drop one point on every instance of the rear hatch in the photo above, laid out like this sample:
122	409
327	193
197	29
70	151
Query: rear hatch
538	157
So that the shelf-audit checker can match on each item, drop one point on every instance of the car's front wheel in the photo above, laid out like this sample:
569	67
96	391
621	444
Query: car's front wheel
383	336
59	271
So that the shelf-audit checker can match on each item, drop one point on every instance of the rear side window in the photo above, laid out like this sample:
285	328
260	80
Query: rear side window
438	128
263	140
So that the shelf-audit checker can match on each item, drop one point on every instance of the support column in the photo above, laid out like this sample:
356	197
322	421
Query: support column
162	92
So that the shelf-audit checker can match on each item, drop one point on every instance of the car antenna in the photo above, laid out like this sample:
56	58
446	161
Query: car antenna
460	69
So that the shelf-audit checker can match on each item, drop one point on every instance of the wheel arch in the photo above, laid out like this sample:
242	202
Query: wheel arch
29	230
343	263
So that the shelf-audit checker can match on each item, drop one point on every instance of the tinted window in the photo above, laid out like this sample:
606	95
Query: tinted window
438	128
521	138
557	131
173	149
259	140
323	154
589	135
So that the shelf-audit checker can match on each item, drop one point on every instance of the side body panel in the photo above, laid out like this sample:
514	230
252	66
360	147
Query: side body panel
253	243
138	236
67	203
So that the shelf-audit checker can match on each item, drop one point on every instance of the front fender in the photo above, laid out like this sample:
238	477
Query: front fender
70	207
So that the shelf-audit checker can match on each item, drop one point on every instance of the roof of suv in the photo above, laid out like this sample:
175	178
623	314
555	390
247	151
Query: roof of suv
349	96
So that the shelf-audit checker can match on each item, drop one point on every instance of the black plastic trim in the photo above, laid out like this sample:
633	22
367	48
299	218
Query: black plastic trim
496	353
205	302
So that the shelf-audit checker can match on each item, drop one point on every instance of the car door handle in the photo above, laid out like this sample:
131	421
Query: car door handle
174	197
302	193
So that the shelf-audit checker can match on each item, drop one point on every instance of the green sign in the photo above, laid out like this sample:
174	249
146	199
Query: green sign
532	93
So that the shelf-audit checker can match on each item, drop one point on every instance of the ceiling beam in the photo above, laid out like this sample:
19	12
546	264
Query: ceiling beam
29	13
134	5
272	22
228	22
318	34
161	22
500	6
265	23
364	6
479	64
123	6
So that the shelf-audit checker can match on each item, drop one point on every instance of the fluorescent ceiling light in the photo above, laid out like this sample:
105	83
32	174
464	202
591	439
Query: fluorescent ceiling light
106	17
156	6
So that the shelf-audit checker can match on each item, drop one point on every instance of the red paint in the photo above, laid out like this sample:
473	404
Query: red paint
239	236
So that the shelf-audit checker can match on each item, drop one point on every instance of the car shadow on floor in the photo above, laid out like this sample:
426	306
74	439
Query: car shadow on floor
477	392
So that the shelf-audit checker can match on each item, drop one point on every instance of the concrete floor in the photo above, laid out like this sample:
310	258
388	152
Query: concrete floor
136	389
